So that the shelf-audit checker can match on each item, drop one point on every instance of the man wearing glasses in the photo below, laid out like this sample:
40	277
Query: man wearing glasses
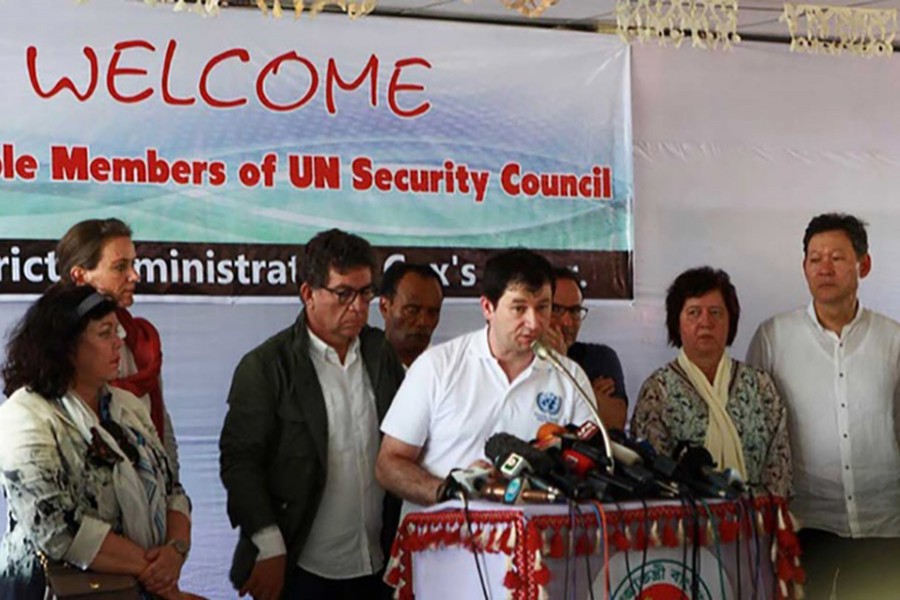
600	363
300	439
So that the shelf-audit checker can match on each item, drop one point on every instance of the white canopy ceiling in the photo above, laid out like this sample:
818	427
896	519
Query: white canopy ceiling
757	19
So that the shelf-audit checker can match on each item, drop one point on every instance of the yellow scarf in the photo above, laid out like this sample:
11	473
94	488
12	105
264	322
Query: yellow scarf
722	438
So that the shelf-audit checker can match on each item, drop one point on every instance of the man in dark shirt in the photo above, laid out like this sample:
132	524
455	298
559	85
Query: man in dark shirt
600	363
301	436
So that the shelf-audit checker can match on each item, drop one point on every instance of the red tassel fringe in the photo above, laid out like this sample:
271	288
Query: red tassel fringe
640	538
512	581
669	537
620	541
557	546
729	530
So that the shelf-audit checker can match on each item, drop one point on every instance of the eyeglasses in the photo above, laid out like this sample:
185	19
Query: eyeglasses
579	313
347	295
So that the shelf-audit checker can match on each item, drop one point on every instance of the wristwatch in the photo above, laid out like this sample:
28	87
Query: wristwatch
182	547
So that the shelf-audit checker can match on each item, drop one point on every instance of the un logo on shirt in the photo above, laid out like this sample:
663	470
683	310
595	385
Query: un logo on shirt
549	403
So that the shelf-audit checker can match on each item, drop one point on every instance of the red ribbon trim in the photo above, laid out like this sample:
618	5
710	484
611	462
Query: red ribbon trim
426	531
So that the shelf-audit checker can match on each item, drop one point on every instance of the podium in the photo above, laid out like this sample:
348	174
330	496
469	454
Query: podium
659	550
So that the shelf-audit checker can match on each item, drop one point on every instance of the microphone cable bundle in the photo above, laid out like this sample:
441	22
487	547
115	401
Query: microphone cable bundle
567	465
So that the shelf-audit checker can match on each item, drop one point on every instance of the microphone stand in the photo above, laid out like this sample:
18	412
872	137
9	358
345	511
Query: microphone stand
544	353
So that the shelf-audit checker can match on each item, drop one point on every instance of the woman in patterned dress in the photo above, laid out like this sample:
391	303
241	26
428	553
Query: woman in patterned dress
704	397
86	477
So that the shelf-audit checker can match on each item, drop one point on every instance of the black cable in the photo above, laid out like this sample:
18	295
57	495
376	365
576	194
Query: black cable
757	537
587	555
624	526
627	552
646	545
688	500
566	552
754	537
746	514
682	498
773	513
737	545
695	554
468	520
573	548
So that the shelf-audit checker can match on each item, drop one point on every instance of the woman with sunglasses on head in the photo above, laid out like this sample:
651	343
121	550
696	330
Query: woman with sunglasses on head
87	480
100	253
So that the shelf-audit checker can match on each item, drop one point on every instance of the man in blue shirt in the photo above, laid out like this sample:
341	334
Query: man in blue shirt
600	362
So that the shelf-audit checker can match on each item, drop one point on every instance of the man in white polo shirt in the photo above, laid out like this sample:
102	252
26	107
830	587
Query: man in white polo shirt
837	366
456	395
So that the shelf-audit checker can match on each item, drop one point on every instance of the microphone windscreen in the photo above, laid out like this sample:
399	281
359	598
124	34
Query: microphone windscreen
548	430
579	463
500	445
693	459
625	455
540	350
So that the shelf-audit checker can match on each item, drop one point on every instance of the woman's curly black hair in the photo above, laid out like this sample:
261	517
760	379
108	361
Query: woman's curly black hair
42	346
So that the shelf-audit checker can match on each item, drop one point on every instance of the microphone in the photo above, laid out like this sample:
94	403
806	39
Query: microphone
516	492
588	431
697	464
579	462
502	446
544	470
631	480
514	465
661	464
571	464
464	482
544	353
550	430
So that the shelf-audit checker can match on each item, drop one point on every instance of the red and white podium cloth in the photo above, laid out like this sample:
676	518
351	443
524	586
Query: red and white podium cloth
746	550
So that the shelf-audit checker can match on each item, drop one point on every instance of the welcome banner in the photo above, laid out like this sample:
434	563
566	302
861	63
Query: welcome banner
228	142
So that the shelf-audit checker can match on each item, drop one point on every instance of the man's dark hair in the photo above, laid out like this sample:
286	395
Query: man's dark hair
566	273
42	346
333	249
694	283
397	271
854	228
515	267
82	245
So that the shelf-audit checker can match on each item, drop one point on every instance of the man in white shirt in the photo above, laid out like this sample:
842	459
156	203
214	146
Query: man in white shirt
459	393
837	366
410	304
300	439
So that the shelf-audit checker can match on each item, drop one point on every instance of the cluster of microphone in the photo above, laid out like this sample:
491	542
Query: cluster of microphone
571	464
587	462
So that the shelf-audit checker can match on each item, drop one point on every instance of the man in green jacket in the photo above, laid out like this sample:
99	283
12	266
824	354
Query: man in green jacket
300	439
